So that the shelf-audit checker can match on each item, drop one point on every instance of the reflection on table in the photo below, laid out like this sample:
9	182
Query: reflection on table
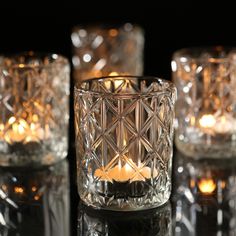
34	202
109	223
204	197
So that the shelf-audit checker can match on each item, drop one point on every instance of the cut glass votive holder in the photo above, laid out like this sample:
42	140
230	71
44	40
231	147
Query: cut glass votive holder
102	50
124	131
34	98
206	107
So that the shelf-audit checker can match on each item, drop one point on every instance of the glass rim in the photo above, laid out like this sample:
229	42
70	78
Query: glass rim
53	58
213	54
107	27
168	87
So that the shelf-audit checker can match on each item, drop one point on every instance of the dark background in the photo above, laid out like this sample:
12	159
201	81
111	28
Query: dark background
46	27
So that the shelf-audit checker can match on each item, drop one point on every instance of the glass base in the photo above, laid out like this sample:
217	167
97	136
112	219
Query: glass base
125	196
32	154
203	150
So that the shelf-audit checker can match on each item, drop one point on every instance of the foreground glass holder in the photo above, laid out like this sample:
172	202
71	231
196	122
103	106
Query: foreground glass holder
205	109
124	130
101	50
34	99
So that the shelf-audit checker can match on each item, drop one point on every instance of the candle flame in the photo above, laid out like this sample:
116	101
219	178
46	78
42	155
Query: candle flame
25	130
19	190
207	121
207	186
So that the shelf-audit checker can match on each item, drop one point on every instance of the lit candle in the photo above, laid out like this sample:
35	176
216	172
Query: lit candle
207	186
21	131
126	173
216	124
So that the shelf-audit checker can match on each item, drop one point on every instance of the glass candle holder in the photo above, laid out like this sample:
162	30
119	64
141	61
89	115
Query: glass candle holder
102	50
124	129
34	92
206	107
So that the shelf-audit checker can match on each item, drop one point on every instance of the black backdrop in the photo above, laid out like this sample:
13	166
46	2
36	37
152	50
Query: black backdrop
47	27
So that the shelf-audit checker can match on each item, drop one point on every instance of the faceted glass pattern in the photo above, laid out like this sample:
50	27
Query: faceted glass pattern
156	221
103	50
124	130
204	191
206	107
34	92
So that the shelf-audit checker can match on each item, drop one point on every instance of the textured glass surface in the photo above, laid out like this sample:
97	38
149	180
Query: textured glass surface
100	50
152	222
124	129
34	91
35	202
204	196
206	105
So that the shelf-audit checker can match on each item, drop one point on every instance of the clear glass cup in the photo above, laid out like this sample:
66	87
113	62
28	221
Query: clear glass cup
206	107
102	50
124	130
34	98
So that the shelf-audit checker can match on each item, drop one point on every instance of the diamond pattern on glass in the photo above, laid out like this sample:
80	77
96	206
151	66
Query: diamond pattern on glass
124	131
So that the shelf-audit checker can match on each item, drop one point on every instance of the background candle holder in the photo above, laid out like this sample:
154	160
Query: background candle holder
103	50
34	98
124	129
205	109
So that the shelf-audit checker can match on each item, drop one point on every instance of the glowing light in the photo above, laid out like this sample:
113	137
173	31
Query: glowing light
207	121
36	197
34	189
207	186
19	190
113	32
87	57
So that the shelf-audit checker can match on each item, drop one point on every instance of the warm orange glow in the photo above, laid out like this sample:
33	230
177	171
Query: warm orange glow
207	186
4	187
223	184
128	172
207	121
192	183
224	124
113	73
25	130
21	65
36	197
113	32
19	190
34	189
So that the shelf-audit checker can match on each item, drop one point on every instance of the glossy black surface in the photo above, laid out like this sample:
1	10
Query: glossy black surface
45	202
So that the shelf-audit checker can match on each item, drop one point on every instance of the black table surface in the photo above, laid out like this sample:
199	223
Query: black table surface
45	202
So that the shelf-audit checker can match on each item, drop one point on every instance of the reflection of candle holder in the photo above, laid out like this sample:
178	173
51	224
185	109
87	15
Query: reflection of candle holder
100	50
35	201
124	141
204	196
34	92
205	109
151	222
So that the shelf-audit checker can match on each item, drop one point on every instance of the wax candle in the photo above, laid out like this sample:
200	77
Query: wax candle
22	131
125	173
